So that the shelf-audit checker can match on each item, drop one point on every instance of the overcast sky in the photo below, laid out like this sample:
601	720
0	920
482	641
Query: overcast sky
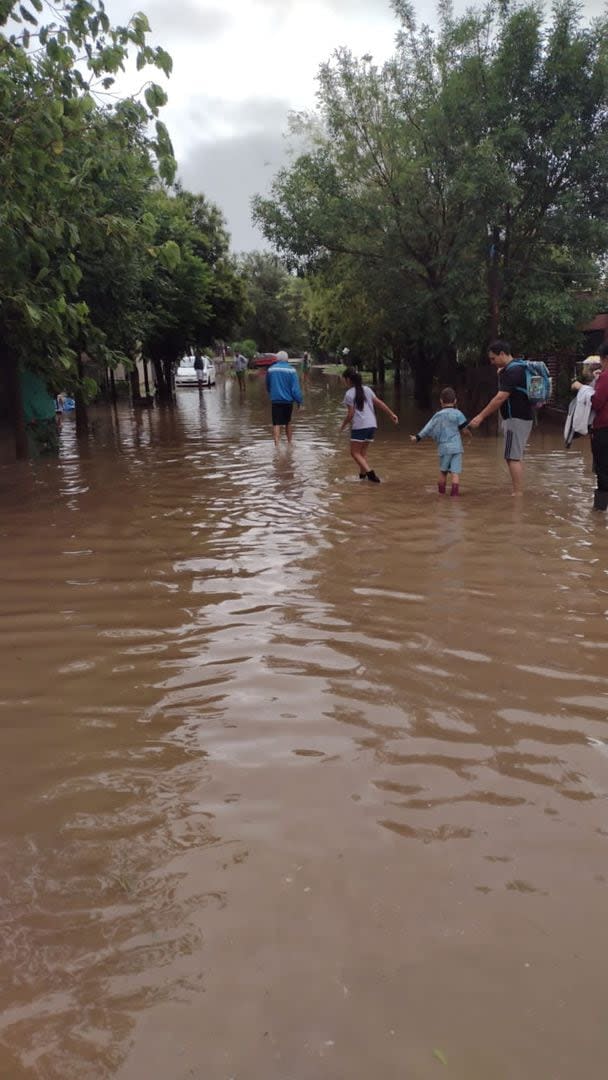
237	72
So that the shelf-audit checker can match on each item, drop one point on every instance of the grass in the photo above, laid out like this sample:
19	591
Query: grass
337	369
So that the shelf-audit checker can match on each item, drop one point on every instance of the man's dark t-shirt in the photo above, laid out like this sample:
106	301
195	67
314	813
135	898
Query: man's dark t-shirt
518	406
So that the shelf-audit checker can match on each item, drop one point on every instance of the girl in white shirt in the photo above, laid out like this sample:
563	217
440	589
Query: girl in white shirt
361	402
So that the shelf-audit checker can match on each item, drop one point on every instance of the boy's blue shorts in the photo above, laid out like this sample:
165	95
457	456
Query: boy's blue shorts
450	463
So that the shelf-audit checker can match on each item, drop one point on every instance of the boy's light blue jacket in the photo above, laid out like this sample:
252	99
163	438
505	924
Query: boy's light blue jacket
444	427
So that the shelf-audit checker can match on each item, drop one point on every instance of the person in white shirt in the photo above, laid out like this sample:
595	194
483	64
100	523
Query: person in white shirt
361	403
580	412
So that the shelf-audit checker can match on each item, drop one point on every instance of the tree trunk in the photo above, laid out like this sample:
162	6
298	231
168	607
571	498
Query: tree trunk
422	370
16	405
134	384
396	368
494	286
448	366
112	386
480	384
381	369
160	379
168	373
146	379
82	418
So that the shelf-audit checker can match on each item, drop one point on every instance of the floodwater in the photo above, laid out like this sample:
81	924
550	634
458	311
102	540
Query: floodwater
303	778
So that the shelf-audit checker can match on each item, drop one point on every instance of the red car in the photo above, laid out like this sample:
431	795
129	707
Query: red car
264	360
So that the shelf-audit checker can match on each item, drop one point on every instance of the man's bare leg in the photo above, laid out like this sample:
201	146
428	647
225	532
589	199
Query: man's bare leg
276	433
516	469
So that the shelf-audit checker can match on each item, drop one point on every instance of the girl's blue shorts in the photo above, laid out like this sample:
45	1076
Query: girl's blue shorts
363	434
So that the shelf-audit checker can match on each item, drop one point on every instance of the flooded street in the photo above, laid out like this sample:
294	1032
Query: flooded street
303	778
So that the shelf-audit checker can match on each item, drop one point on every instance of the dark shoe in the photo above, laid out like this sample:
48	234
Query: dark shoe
600	500
372	476
362	475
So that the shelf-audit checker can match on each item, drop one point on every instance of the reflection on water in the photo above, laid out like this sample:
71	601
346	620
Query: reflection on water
302	777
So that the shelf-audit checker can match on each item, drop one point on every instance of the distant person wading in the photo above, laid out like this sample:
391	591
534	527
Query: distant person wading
284	391
240	369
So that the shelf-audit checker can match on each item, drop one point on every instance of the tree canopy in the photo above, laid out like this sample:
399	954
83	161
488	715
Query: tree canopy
102	256
274	315
458	187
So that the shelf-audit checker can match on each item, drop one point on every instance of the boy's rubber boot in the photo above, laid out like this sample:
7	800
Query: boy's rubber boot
600	500
372	476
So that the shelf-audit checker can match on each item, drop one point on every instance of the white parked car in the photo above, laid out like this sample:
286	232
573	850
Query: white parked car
187	375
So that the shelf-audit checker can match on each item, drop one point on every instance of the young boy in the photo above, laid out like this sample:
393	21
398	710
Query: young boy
445	427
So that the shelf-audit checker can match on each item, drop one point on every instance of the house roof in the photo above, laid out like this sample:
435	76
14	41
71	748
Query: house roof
599	323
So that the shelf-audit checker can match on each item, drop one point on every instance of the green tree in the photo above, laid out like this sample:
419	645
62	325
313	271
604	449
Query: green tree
460	183
114	242
191	295
274	315
51	79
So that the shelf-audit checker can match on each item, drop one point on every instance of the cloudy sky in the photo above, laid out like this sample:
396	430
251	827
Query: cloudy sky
238	71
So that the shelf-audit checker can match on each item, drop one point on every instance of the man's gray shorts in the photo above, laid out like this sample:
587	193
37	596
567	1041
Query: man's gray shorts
516	433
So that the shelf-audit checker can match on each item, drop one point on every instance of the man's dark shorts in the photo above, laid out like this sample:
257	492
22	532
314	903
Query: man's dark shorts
281	413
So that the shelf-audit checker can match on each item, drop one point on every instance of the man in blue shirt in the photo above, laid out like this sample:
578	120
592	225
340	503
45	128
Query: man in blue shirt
283	388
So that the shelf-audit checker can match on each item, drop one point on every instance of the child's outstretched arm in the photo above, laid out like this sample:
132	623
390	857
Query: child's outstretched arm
382	405
426	432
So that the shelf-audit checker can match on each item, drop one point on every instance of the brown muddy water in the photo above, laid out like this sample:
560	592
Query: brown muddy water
302	778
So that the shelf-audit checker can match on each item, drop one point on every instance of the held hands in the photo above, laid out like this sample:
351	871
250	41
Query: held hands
475	422
413	438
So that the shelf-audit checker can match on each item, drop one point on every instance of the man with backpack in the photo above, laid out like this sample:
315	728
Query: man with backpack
515	406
